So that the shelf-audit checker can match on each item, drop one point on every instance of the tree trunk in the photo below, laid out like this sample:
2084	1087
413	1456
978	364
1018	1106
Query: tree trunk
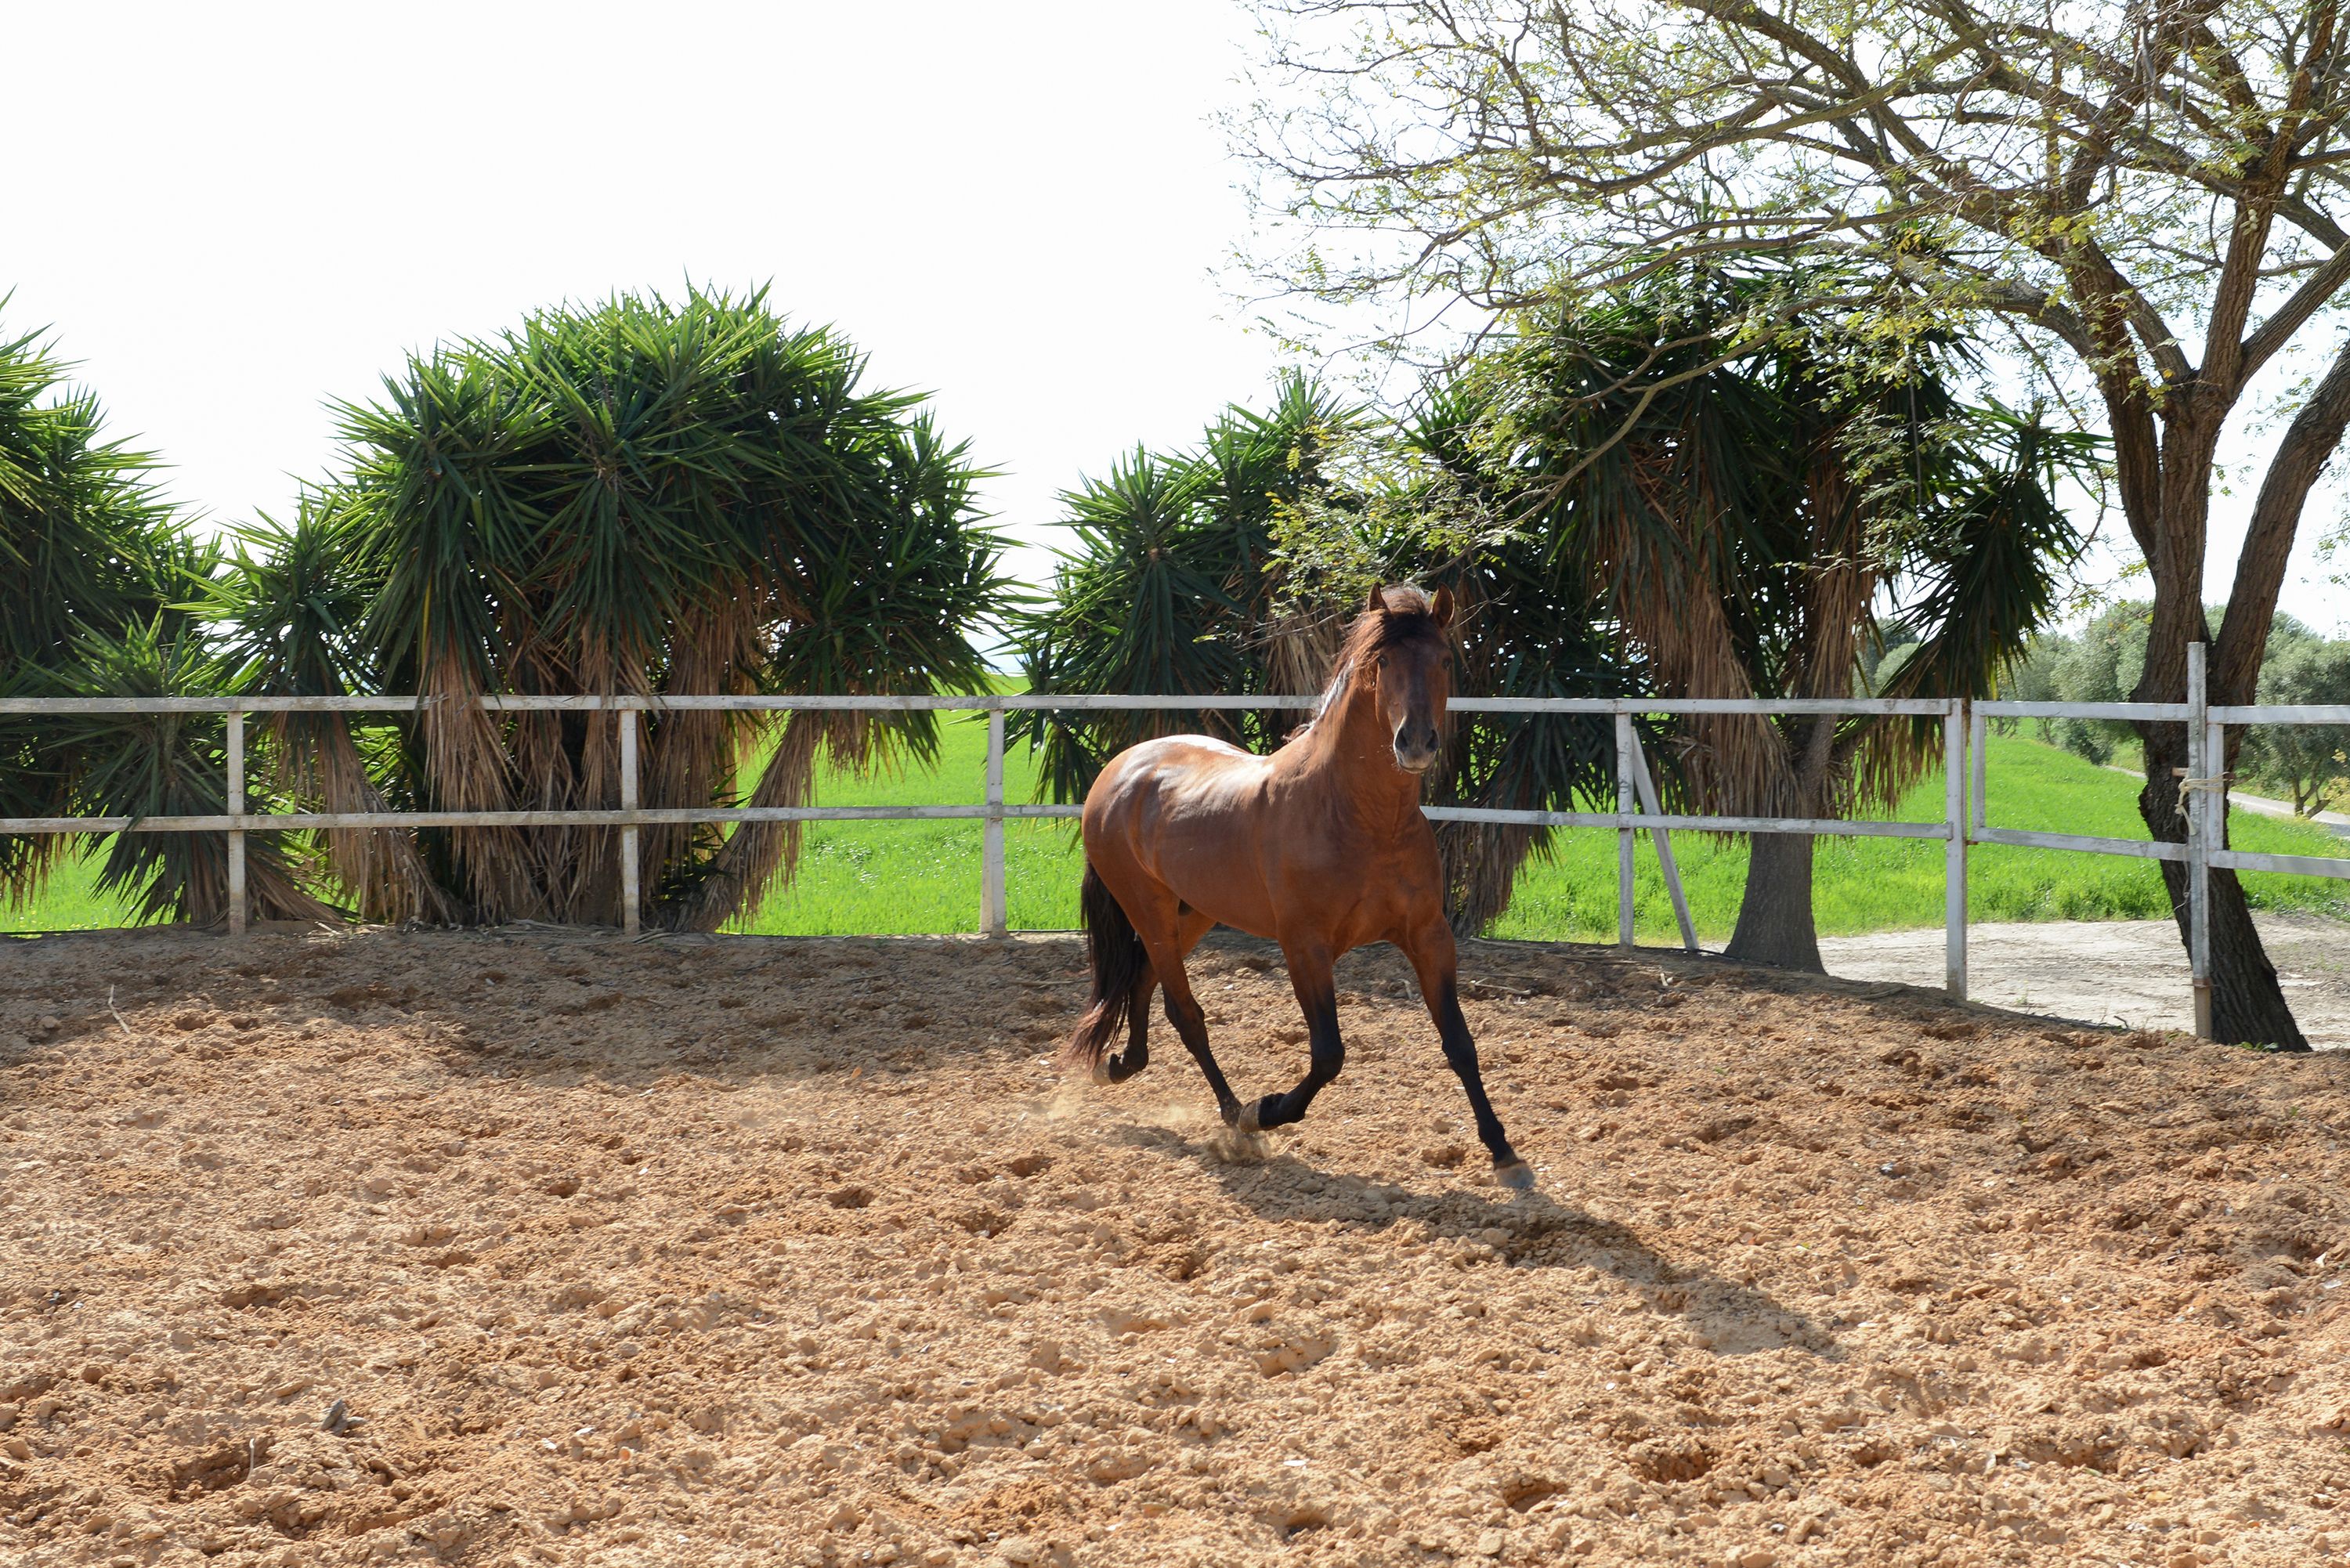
1774	917
2247	1006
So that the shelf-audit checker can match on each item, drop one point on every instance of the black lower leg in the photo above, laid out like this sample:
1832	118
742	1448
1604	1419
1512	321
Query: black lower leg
1317	998
1432	959
1117	1069
1460	1054
1190	1022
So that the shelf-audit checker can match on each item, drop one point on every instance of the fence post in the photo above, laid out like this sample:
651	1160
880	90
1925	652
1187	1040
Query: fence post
2201	764
2215	836
236	835
630	897
1978	744
994	916
1663	843
1624	835
1954	851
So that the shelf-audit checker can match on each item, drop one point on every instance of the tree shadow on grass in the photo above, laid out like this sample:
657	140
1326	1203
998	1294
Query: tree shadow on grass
1535	1231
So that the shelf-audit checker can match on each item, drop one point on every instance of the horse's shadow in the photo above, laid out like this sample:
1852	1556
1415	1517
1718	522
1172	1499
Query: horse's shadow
1538	1231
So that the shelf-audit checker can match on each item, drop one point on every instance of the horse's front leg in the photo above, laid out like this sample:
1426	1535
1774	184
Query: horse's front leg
1311	975
1436	962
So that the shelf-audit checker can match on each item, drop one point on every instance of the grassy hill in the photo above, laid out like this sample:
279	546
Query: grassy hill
888	878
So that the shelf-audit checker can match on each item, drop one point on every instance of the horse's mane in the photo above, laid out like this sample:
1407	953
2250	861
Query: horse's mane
1409	618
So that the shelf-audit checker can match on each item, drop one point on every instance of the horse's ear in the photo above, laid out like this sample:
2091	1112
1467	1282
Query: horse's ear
1378	605
1441	609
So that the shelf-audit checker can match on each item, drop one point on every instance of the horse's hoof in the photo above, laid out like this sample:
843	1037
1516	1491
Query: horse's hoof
1517	1175
1248	1122
1102	1074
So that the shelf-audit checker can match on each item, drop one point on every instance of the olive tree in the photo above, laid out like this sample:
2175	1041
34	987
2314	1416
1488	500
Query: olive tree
2310	762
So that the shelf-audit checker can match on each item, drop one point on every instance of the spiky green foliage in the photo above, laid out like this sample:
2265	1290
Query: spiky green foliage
1171	583
163	765
1232	568
93	568
1530	625
638	497
85	540
80	533
1617	506
1758	522
292	610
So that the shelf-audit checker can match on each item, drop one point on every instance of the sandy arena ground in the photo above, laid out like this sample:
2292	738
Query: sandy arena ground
526	1247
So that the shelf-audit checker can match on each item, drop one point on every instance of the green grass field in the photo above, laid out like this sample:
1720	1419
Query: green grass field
924	877
907	878
70	903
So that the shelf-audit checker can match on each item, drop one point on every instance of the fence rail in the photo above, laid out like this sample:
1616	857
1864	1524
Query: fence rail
1638	809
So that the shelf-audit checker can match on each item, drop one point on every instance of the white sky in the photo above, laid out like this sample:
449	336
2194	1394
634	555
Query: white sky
230	215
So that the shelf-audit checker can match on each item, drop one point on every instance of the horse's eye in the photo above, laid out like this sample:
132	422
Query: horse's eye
1380	662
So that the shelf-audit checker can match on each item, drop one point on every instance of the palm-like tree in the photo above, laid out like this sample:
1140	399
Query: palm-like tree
1531	624
1754	522
1232	570
637	498
1618	509
94	567
1172	583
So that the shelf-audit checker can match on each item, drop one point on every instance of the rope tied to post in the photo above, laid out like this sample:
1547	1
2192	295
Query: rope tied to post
2215	784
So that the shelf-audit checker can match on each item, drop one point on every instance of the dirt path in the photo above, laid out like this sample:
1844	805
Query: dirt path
491	1249
2262	805
2131	973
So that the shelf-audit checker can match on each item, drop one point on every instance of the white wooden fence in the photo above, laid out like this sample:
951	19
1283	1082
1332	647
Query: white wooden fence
1636	807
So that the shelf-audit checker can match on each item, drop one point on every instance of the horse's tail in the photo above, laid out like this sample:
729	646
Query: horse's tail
1119	964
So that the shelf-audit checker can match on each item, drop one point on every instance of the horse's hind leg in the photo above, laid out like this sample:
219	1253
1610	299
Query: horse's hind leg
1434	960
1117	1069
1183	1010
1312	977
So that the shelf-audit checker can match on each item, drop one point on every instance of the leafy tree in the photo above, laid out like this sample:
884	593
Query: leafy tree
2149	196
2104	662
2101	665
634	498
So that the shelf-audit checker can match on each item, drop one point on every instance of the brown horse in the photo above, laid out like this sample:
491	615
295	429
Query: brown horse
1320	846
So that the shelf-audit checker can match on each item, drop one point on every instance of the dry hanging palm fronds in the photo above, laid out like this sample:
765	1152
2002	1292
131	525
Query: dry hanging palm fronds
628	499
758	854
1745	513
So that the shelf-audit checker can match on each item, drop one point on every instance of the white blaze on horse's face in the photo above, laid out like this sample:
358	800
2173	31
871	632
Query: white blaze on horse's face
1414	677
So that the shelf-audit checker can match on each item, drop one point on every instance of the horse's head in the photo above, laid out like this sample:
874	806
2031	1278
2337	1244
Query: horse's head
1405	656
